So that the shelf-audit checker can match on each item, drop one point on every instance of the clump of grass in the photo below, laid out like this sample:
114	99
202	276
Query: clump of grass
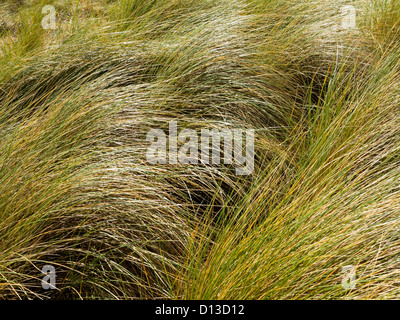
329	200
77	192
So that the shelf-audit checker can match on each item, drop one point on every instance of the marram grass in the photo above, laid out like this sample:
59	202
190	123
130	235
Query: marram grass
77	193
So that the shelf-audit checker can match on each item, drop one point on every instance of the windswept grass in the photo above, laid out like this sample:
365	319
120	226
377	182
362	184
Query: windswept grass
77	192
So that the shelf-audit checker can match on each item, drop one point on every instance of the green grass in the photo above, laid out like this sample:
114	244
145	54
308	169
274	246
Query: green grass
77	192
